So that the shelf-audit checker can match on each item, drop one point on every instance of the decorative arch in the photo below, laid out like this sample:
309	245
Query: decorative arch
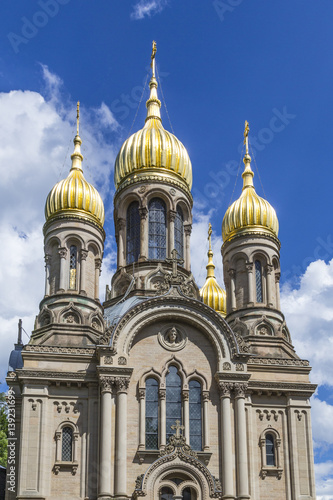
263	327
45	317
177	456
272	436
71	315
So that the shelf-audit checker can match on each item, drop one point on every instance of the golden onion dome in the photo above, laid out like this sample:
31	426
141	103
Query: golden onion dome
153	153
250	213
74	196
211	293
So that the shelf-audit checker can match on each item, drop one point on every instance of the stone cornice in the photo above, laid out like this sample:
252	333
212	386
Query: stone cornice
46	375
285	387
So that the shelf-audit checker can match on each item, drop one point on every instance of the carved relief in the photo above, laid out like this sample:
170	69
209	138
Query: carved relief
172	339
226	366
240	389
225	389
122	360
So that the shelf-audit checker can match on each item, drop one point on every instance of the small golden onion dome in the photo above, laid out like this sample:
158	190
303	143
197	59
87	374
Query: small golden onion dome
153	152
211	293
74	196
250	213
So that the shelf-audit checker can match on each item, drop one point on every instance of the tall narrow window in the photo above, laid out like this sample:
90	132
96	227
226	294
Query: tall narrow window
72	267
195	415
67	444
179	233
132	233
173	400
258	280
151	414
157	229
270	452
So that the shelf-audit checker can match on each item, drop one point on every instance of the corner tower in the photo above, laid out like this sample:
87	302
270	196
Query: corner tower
70	311
152	205
251	266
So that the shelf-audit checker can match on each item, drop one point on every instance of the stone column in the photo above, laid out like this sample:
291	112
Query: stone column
104	490
98	265
121	227
187	253
227	454
241	442
277	290
142	417
162	399
83	271
171	232
143	211
269	284
120	487
47	273
186	409
232	274
249	268
62	278
205	399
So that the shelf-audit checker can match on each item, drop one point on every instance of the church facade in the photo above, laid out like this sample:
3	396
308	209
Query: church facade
164	392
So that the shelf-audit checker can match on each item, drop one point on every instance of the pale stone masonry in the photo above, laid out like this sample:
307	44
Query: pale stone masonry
157	393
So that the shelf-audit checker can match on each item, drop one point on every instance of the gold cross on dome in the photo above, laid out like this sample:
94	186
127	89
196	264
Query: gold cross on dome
246	136
77	117
178	428
152	65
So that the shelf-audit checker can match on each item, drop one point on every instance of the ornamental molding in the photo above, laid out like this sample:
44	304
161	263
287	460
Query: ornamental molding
45	375
76	351
177	452
278	362
282	386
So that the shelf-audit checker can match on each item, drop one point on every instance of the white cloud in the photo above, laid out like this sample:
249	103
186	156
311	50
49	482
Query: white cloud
324	480
147	8
309	315
37	133
199	248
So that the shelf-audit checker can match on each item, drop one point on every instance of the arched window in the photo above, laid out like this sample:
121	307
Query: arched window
132	233
258	280
166	493
173	400
270	451
151	414
67	444
179	233
195	415
72	267
157	229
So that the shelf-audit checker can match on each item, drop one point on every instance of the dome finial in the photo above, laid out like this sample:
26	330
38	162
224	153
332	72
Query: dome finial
77	157
248	173
210	266
77	117
153	59
153	104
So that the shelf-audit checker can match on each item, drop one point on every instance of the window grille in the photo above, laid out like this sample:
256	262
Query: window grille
179	233
173	400
195	415
67	444
133	233
258	280
72	267
151	414
157	229
270	452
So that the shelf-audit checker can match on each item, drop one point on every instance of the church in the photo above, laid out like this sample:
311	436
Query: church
165	391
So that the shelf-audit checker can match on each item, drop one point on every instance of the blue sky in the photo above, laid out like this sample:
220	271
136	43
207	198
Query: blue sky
220	63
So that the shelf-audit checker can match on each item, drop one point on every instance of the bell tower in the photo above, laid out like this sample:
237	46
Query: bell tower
251	266
152	205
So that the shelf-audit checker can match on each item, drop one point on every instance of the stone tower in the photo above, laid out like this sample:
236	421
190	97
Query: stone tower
251	266
73	246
